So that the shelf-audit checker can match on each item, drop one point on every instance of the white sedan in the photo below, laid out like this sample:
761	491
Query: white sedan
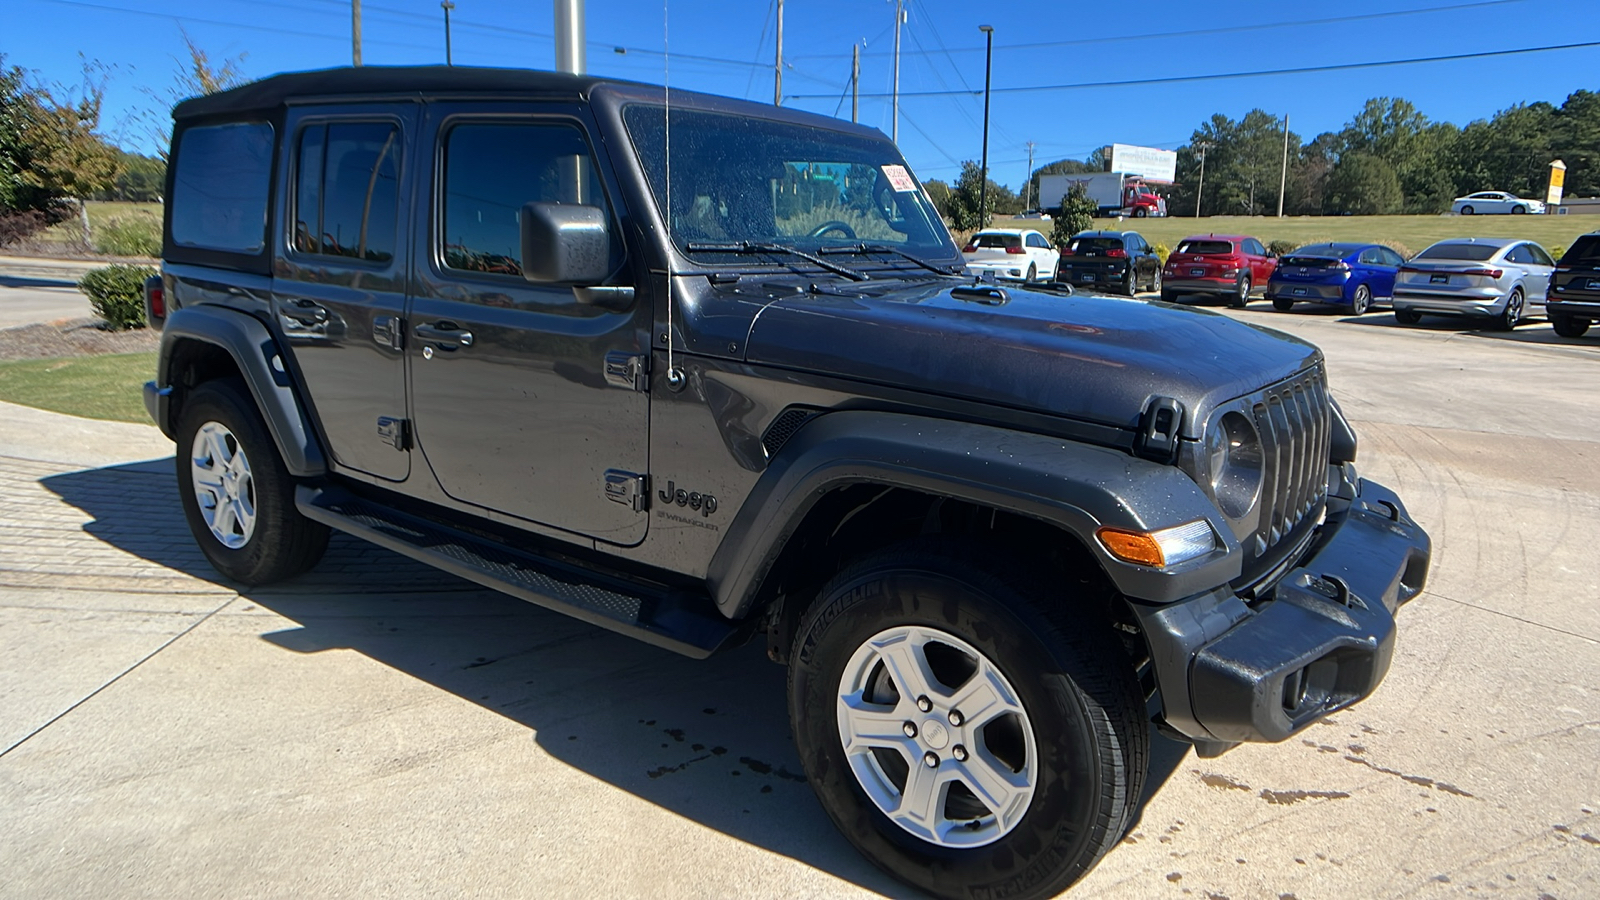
1012	253
1488	202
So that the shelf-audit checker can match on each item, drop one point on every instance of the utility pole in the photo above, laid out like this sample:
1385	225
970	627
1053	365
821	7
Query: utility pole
777	65
446	5
983	184
569	36
1200	191
1027	187
1283	179
855	84
894	119
355	32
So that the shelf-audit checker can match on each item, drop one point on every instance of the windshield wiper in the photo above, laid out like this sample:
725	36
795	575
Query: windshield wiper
895	251
764	247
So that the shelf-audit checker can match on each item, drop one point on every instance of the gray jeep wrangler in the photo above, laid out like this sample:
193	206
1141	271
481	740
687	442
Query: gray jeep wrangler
703	371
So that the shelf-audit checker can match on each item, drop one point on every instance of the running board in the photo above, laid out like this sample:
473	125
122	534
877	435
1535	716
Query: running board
666	618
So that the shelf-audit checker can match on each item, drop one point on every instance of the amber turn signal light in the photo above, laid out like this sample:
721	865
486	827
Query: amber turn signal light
1161	548
1132	546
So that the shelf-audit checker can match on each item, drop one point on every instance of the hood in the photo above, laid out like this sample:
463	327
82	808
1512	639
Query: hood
1086	356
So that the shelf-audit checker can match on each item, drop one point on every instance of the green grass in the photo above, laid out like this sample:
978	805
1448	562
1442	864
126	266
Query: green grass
94	387
1407	233
70	232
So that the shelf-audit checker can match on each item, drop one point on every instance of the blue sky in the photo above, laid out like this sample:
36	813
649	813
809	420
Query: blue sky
727	48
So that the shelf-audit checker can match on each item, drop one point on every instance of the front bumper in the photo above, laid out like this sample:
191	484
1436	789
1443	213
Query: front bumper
1232	669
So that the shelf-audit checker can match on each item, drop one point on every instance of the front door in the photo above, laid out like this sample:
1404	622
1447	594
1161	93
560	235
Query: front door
339	285
520	393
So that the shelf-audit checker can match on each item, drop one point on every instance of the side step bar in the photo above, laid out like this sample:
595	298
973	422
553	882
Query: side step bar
675	620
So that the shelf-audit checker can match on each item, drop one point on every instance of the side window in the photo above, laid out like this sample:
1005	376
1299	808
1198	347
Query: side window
1037	240
491	169
1539	256
1519	254
347	190
220	185
1372	256
1391	258
1253	246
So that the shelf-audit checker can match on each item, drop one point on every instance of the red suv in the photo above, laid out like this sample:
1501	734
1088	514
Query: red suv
1229	265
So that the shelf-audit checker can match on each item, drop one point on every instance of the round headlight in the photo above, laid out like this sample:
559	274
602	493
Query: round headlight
1233	452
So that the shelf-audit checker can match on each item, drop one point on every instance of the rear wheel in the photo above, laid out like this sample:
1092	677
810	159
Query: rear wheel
1241	293
1362	301
1033	273
1155	283
1169	296
236	493
962	730
1466	210
1569	326
1131	285
1407	316
1281	304
1511	316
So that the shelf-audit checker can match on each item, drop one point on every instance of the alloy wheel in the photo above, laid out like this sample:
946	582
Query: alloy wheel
223	486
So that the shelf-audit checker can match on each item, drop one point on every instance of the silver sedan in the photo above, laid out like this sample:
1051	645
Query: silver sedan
1501	279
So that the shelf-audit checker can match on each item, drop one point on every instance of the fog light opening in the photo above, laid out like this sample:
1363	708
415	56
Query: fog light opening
1294	691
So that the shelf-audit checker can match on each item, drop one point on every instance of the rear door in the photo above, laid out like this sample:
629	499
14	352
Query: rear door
1540	267
339	281
1261	265
523	399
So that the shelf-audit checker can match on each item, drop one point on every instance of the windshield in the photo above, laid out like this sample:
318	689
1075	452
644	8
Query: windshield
990	241
1469	252
740	178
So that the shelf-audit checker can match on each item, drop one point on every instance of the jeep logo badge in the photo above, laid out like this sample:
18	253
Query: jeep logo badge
705	503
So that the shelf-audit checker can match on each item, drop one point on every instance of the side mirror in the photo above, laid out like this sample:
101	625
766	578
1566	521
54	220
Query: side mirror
565	243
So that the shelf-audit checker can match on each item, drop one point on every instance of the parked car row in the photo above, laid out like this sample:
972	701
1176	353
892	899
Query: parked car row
1503	280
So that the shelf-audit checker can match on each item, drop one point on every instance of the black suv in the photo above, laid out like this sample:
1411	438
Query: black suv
1573	300
1121	261
738	392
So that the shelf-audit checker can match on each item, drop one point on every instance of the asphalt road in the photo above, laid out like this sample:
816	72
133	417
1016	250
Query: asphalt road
378	729
41	290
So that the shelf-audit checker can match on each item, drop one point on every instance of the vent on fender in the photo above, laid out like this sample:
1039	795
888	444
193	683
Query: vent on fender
784	427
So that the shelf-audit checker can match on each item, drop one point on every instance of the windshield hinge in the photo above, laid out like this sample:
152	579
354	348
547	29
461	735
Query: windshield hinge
1159	429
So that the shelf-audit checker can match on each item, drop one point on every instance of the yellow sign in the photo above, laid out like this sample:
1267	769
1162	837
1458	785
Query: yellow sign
1558	177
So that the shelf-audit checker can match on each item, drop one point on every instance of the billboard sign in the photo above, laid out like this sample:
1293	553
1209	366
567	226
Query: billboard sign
1145	162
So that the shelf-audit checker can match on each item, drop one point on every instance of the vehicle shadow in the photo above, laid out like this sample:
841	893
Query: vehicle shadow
1537	331
708	740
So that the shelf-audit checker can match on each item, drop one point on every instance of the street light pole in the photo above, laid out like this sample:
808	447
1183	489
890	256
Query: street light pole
446	5
894	115
1200	191
983	184
1283	178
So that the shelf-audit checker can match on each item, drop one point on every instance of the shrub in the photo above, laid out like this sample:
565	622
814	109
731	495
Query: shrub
1557	251
1077	214
134	235
1404	251
1279	248
117	294
1162	251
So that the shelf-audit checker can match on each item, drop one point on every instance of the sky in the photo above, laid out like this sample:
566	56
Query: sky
728	48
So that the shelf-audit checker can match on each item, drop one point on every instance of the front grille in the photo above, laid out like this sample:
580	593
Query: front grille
1294	421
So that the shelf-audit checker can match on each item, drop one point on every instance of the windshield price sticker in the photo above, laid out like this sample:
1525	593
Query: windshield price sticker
899	178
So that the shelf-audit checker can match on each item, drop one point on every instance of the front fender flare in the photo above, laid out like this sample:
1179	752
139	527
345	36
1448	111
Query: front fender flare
1078	487
256	355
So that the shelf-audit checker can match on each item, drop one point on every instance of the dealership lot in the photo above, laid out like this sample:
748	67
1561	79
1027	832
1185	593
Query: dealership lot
378	728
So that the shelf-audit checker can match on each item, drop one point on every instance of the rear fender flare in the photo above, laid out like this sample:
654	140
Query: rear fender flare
1077	487
259	361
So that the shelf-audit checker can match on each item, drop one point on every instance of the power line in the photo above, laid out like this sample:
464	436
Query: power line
1229	29
1222	76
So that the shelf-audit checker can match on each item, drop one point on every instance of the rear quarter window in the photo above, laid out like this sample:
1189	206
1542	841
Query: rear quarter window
222	176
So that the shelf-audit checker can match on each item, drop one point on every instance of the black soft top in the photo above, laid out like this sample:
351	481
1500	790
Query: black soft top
274	91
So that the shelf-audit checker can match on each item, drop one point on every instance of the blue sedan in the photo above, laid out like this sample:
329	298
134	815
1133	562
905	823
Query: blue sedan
1352	275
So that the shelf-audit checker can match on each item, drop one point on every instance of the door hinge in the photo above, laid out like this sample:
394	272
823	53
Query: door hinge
395	432
632	491
628	370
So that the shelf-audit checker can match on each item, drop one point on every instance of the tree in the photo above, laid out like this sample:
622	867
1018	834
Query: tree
961	204
49	151
196	76
1362	185
1077	214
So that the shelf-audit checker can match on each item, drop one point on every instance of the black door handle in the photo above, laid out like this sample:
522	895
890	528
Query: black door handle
444	333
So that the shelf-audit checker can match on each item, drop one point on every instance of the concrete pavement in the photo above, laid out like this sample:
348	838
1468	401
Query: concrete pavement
378	728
